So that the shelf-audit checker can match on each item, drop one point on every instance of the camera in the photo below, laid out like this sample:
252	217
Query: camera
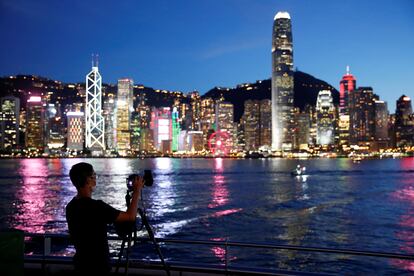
148	179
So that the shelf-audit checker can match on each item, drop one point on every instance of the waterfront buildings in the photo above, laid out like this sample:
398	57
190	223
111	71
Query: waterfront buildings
124	107
109	107
362	115
282	83
9	123
325	122
94	121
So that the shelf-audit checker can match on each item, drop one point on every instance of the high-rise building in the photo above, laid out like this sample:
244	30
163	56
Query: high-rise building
54	128
195	101
282	83
35	121
346	86
9	123
76	125
404	122
381	124
325	118
175	129
94	121
225	121
207	119
109	119
256	123
124	107
161	125
362	115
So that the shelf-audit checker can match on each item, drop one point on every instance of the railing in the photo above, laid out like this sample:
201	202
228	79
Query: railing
47	250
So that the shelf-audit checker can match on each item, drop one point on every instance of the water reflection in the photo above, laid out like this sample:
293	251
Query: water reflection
406	234
39	204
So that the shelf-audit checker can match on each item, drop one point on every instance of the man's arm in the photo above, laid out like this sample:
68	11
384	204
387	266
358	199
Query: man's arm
131	213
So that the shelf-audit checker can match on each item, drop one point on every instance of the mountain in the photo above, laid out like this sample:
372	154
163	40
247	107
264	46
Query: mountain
306	89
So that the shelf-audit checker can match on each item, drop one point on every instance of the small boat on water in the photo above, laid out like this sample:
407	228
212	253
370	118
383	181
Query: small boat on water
298	171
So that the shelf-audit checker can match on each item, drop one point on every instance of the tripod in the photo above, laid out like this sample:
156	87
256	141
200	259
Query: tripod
130	230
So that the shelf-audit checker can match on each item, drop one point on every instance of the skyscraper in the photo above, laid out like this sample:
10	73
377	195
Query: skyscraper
404	122
325	113
35	121
362	115
282	83
9	123
75	135
94	128
124	107
346	86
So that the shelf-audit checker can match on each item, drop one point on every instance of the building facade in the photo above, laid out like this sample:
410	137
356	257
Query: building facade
9	123
325	119
282	83
124	107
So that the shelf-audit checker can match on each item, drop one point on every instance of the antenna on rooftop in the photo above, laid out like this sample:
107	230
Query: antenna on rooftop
347	69
96	60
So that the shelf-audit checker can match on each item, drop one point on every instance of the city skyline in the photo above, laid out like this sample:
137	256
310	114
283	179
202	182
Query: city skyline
195	46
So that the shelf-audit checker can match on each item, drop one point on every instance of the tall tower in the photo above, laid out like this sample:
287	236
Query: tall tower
124	108
282	83
346	86
95	127
325	113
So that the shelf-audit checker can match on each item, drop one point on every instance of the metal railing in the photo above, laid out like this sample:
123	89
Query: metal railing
47	250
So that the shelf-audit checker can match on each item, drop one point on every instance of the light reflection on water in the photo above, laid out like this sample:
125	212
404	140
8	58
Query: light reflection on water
368	205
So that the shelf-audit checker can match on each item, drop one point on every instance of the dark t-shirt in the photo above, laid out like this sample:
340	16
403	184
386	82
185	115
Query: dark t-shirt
87	221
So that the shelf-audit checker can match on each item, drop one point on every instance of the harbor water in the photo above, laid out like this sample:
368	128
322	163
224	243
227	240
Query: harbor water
367	205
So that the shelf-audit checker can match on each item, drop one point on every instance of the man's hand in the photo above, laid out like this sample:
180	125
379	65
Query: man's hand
137	184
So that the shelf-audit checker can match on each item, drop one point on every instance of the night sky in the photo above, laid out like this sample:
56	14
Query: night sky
199	44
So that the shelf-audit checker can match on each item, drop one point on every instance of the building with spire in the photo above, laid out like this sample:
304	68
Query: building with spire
346	86
94	121
282	83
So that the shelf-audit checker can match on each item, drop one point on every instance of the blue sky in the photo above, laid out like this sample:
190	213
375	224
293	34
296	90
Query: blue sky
198	44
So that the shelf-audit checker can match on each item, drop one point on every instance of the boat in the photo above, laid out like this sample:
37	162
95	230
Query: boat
298	171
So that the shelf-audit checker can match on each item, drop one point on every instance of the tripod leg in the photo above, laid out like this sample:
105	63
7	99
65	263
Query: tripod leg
152	237
127	256
121	251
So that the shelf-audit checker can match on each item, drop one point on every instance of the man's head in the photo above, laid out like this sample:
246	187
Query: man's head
82	176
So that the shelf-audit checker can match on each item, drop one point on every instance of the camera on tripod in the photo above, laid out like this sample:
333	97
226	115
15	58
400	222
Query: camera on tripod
147	176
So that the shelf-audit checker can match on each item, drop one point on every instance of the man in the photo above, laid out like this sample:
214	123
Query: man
88	219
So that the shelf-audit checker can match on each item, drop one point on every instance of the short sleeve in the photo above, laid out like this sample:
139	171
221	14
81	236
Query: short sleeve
108	213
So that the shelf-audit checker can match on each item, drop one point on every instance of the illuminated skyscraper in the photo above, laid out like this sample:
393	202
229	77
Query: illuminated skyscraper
346	86
94	121
362	115
256	124
35	121
124	107
175	129
381	124
9	123
225	121
161	125
76	124
325	114
207	119
404	122
282	83
109	118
